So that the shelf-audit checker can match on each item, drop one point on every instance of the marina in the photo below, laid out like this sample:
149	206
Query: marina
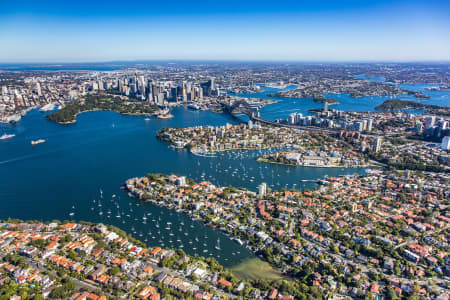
128	147
65	163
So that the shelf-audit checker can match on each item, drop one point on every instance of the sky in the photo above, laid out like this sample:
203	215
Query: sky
264	30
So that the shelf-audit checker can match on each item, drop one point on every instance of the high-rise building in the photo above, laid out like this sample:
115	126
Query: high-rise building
377	144
292	118
359	126
38	88
262	189
429	122
208	87
369	124
174	95
445	145
181	181
419	126
184	93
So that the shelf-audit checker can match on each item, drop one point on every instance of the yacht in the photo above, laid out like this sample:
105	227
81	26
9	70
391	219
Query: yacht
6	136
36	142
218	244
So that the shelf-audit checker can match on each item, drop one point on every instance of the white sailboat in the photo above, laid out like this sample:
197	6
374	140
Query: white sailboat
218	244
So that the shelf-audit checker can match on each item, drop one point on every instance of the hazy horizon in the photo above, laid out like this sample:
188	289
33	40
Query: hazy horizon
300	31
168	60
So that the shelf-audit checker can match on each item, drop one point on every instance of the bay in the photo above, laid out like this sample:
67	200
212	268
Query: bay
103	149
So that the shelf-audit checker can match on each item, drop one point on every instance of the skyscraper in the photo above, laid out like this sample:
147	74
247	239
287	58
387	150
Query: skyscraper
174	94
429	122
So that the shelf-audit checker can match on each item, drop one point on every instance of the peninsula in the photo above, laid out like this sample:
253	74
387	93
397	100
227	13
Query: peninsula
330	101
397	104
308	233
68	113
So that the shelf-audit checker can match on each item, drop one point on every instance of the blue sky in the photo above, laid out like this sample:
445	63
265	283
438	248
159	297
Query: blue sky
84	31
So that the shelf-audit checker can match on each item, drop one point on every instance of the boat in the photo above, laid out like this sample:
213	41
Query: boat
36	142
218	244
6	136
165	116
193	107
239	242
147	119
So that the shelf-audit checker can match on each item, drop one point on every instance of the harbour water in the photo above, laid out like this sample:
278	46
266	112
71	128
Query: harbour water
103	149
286	106
61	178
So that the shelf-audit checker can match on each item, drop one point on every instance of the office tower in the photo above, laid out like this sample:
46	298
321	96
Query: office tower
184	93
174	94
208	87
429	122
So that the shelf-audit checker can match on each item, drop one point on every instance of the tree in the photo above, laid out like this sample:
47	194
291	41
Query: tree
114	270
391	294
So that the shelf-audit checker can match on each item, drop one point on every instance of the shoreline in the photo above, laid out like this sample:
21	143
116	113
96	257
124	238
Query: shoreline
91	110
193	217
311	166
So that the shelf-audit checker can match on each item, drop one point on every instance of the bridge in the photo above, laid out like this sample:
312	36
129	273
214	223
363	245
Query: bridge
252	112
241	105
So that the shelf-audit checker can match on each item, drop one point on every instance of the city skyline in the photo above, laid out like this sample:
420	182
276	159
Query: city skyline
289	31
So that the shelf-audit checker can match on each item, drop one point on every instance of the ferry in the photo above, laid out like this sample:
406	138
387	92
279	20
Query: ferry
203	153
165	116
6	136
36	142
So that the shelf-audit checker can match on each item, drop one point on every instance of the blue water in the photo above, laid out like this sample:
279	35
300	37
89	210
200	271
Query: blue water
286	106
102	150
